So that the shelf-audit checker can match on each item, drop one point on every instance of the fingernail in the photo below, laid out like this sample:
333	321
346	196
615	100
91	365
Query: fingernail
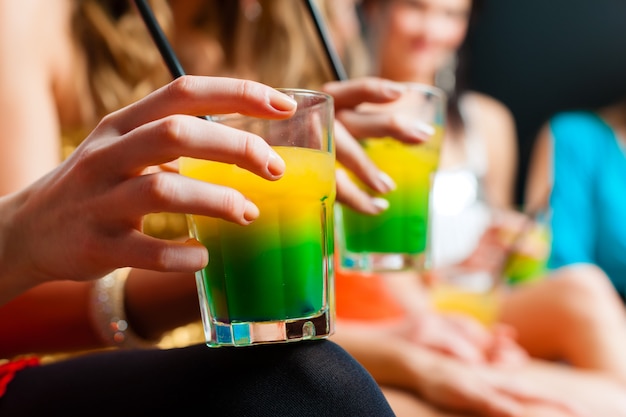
251	212
200	252
387	181
423	130
392	89
282	102
275	164
381	204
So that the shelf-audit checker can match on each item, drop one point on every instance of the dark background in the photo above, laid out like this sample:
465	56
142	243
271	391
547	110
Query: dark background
543	56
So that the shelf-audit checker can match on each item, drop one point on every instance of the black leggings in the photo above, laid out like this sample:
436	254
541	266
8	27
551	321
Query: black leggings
313	378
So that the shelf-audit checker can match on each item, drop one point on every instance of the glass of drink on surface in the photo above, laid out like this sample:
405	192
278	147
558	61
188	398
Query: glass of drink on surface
272	281
397	238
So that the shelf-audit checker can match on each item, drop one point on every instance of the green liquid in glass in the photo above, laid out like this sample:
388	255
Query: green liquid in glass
270	270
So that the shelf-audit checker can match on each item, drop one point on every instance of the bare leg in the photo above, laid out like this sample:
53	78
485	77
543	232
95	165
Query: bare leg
575	316
596	394
406	404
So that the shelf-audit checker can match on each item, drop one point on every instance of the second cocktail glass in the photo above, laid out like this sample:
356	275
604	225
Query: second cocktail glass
397	238
272	281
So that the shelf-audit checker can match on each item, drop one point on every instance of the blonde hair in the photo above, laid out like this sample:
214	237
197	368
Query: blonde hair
283	54
279	46
122	62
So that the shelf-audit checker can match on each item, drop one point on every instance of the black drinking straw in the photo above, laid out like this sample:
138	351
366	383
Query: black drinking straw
339	71
160	39
165	48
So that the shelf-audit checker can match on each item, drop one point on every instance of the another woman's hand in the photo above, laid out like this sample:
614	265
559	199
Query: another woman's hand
483	390
83	219
511	232
464	338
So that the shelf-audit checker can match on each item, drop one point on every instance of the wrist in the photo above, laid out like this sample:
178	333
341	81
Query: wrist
15	275
407	366
421	364
107	312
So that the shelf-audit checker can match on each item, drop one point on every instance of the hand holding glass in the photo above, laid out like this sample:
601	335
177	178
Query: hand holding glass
397	238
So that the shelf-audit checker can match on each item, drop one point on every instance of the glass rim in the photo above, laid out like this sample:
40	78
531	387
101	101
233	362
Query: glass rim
434	90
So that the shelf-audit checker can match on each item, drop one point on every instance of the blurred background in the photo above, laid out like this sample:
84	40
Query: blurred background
539	57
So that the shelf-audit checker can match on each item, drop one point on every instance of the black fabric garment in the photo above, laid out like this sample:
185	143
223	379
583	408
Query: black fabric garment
313	378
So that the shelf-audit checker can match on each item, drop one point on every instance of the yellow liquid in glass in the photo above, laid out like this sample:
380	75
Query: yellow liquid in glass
402	228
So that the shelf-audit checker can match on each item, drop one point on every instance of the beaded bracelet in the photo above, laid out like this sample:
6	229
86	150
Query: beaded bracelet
107	312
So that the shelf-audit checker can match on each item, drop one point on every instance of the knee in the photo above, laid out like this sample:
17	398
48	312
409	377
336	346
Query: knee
586	290
343	386
583	282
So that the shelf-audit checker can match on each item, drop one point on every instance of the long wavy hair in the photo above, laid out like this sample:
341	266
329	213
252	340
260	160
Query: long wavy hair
278	47
122	63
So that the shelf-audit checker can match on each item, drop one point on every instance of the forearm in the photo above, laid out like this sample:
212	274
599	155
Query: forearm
15	277
158	302
11	284
392	361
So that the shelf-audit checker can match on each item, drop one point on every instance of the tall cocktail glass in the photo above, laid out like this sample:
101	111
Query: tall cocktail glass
397	238
272	281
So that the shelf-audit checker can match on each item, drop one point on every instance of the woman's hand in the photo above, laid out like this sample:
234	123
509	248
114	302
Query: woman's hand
483	390
83	219
456	335
463	338
510	232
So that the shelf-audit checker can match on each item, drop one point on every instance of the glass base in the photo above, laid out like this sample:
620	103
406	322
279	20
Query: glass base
256	333
382	262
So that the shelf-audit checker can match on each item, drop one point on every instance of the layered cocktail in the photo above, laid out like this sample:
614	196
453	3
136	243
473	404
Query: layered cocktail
272	280
396	239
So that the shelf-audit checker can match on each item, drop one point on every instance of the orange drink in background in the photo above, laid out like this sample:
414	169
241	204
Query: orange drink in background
482	305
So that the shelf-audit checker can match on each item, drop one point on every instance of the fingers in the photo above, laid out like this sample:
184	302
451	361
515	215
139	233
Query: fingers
487	400
352	156
436	332
351	195
138	250
507	353
170	192
471	329
195	95
498	405
162	141
478	397
527	395
385	124
348	94
461	348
